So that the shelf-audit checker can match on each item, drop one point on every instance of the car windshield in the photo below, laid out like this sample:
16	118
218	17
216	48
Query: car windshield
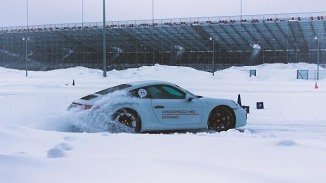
113	89
188	92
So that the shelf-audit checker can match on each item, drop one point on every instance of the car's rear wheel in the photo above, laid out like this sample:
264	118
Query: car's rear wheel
221	119
129	118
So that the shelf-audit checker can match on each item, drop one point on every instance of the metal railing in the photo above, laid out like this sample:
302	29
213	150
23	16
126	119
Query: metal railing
312	16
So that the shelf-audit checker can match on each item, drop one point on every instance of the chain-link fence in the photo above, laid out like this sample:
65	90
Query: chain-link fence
311	74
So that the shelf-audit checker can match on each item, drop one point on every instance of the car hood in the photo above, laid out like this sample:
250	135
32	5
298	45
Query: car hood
217	101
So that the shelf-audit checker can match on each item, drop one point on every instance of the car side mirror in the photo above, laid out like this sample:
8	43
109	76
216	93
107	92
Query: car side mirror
189	98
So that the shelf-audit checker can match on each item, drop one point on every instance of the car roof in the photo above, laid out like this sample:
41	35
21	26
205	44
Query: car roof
137	84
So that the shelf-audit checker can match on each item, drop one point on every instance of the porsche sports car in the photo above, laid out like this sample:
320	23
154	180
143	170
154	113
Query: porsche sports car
163	106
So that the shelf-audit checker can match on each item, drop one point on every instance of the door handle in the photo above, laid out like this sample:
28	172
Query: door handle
158	107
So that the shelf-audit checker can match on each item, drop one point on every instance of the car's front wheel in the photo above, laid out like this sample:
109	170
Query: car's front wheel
129	118
221	119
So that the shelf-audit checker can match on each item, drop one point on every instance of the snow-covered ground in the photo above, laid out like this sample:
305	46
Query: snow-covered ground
285	142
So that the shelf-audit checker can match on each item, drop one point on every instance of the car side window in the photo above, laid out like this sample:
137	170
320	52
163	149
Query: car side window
165	92
140	93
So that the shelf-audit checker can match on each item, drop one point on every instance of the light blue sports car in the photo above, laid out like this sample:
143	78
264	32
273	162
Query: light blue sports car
164	106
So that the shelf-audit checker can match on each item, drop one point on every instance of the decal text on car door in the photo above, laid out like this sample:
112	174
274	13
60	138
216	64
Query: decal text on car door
174	114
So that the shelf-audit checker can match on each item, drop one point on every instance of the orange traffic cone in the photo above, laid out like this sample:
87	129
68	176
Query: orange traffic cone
316	85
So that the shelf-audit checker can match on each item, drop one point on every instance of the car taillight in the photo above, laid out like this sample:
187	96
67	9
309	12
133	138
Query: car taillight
87	106
81	106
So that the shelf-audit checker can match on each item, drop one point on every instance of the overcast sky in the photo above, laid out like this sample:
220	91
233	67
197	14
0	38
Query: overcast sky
13	12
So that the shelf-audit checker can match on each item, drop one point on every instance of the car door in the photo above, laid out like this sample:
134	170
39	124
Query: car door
173	109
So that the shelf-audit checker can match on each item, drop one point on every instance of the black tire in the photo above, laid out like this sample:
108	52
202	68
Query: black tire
129	118
221	119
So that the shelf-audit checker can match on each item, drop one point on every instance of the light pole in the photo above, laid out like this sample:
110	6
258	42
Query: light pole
213	41
26	39
274	40
241	11
82	13
153	28
104	42
153	12
27	13
316	38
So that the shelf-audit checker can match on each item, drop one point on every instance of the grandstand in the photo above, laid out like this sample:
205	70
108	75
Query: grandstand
209	43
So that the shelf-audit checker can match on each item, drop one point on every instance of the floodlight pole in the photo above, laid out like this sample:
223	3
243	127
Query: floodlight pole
82	13
153	27
27	13
212	39
153	12
241	11
26	45
26	39
316	38
26	55
318	62
104	42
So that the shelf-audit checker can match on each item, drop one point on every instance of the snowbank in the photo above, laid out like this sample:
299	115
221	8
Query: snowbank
285	142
